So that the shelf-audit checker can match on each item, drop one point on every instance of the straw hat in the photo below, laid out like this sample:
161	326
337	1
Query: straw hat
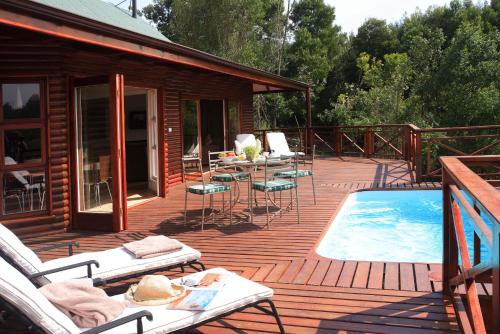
154	290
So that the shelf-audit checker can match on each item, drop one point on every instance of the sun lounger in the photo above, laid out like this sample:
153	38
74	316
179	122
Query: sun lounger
19	295
110	265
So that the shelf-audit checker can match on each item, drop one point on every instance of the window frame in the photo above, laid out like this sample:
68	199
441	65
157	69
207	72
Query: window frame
20	124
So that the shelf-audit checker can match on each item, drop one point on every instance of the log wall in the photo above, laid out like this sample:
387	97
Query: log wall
27	55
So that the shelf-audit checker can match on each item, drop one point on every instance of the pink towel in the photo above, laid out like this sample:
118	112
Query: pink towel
153	246
86	305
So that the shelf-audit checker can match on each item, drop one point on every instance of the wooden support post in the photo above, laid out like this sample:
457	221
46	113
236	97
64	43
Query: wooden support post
117	143
309	135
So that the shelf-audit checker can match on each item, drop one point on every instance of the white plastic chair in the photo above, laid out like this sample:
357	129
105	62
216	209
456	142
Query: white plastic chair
278	145
244	140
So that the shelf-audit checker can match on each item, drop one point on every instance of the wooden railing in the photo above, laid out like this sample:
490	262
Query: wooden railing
467	194
420	147
460	141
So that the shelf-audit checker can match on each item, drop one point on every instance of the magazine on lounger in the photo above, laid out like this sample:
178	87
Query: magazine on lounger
200	293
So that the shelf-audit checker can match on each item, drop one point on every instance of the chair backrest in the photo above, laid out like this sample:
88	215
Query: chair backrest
16	253
308	159
244	140
277	143
214	161
192	170
19	294
282	164
18	175
104	168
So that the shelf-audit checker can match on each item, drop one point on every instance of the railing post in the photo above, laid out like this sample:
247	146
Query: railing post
368	145
405	139
496	279
450	248
338	140
418	155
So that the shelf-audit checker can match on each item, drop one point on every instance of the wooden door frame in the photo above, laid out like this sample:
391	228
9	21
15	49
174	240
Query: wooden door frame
117	219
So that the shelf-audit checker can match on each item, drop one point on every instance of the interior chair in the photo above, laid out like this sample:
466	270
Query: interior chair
10	191
244	140
19	296
278	145
103	177
305	160
192	171
272	184
26	188
114	264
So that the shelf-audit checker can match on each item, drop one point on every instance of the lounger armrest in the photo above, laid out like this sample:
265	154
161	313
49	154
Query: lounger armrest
98	281
118	322
88	263
70	246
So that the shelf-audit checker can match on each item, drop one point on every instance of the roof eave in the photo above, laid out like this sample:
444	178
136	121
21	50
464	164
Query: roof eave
44	12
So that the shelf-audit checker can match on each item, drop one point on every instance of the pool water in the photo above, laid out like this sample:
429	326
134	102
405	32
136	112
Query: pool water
398	226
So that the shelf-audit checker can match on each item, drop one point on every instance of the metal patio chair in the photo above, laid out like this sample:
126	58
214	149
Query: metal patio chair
306	172
273	184
193	171
226	174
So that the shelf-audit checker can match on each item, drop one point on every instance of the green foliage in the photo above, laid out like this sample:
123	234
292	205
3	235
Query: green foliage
439	67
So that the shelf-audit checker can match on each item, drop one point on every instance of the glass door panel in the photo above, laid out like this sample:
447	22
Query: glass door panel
93	149
233	123
190	126
212	127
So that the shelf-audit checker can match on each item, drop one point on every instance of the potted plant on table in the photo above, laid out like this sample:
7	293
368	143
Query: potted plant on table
251	152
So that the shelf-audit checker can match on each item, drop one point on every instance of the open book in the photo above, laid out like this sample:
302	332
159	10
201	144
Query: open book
200	292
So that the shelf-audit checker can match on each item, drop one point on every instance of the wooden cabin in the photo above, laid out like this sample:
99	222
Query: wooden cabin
97	109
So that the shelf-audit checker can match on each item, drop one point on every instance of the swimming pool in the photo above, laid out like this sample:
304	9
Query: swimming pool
399	226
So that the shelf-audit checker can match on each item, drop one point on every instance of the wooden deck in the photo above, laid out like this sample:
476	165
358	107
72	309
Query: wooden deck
313	294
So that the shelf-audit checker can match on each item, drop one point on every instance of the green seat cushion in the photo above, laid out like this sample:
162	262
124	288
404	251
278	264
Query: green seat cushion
209	188
291	173
229	177
274	185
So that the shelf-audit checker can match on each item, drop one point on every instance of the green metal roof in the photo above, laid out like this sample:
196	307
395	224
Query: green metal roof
107	13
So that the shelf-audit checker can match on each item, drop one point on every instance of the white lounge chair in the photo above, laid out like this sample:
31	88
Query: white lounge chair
279	146
18	295
244	140
110	265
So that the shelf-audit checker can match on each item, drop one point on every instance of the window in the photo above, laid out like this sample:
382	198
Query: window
23	170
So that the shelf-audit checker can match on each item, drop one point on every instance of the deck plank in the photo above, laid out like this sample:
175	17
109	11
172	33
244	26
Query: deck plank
376	279
347	274
319	272
361	276
407	277
332	276
422	277
391	280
